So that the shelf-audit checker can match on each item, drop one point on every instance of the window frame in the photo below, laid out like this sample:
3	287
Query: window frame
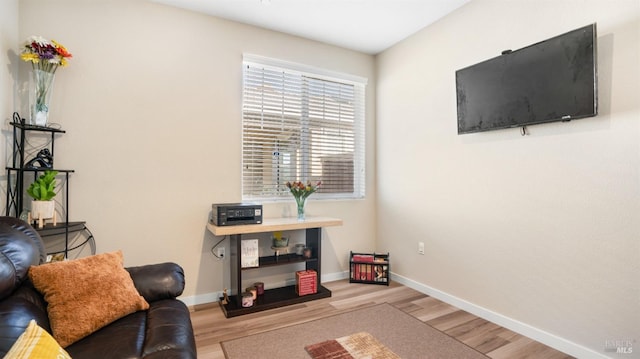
280	192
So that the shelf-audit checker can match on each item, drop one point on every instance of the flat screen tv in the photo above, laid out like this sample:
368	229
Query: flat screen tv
552	80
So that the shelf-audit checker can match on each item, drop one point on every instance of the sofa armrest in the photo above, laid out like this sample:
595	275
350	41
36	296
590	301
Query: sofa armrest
158	281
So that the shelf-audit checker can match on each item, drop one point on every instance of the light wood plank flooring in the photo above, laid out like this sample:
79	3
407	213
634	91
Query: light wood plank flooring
211	327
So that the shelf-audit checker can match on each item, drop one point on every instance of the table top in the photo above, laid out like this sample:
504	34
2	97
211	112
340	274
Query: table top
275	224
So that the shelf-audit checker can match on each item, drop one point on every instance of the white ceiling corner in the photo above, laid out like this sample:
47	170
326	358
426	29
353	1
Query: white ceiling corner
368	26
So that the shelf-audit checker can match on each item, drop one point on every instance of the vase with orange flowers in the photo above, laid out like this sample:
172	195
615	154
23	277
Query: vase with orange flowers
45	57
300	192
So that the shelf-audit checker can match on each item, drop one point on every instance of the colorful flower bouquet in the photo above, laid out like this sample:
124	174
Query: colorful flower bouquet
45	57
300	192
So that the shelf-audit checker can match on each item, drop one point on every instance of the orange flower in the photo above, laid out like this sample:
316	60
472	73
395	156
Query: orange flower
61	50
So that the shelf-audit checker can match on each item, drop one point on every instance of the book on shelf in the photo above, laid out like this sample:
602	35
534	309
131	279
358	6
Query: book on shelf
362	258
249	251
380	273
369	258
382	258
361	271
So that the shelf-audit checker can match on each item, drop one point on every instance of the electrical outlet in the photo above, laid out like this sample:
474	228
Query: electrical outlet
421	248
220	252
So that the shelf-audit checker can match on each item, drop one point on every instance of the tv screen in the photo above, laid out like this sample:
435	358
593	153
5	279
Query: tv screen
553	80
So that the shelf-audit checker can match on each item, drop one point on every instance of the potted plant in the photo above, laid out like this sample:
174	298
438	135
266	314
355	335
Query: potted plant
42	190
278	241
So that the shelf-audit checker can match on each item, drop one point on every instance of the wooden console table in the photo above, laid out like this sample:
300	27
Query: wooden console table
276	297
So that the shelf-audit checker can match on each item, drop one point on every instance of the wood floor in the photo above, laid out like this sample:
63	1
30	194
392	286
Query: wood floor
211	327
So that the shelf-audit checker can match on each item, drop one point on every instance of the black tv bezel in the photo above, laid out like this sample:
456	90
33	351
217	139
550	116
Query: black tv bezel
564	118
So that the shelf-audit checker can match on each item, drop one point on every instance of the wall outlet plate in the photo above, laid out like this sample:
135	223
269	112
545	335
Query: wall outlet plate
421	248
220	252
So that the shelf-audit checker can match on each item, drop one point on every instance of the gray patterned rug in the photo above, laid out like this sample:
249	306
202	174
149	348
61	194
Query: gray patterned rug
403	334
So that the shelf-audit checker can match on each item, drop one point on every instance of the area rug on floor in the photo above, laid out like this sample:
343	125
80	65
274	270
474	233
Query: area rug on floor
401	333
355	346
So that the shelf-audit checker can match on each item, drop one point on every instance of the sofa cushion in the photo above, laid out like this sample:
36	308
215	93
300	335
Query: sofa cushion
17	310
123	338
163	331
84	295
36	343
169	331
20	248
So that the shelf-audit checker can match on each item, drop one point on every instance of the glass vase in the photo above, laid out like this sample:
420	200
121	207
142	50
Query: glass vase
41	90
300	204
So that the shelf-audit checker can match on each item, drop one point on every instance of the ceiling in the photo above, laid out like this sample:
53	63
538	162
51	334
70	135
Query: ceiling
368	26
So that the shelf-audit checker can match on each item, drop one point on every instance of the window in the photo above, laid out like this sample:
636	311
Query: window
301	125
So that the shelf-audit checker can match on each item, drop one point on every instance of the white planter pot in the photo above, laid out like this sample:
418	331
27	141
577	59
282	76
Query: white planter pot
42	209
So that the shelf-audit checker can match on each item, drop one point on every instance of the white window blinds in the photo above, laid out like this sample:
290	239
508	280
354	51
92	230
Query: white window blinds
301	126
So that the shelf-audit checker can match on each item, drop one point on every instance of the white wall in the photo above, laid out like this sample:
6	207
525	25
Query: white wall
8	72
542	229
151	103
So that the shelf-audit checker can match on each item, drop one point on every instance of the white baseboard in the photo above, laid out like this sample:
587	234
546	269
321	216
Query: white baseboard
536	334
332	277
201	298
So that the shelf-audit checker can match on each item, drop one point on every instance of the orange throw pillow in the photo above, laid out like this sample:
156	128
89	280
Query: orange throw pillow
86	294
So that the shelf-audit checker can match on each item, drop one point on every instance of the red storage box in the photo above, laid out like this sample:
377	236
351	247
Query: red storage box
306	282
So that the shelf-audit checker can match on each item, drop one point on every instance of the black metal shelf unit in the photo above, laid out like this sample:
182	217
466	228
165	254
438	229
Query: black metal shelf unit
276	297
20	169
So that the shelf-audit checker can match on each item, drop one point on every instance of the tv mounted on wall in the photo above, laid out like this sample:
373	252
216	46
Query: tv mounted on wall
552	80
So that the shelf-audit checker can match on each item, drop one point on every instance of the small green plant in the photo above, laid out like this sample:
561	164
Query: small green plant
43	189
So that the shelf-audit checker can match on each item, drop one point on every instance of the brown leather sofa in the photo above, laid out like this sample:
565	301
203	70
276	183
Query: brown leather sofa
162	331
